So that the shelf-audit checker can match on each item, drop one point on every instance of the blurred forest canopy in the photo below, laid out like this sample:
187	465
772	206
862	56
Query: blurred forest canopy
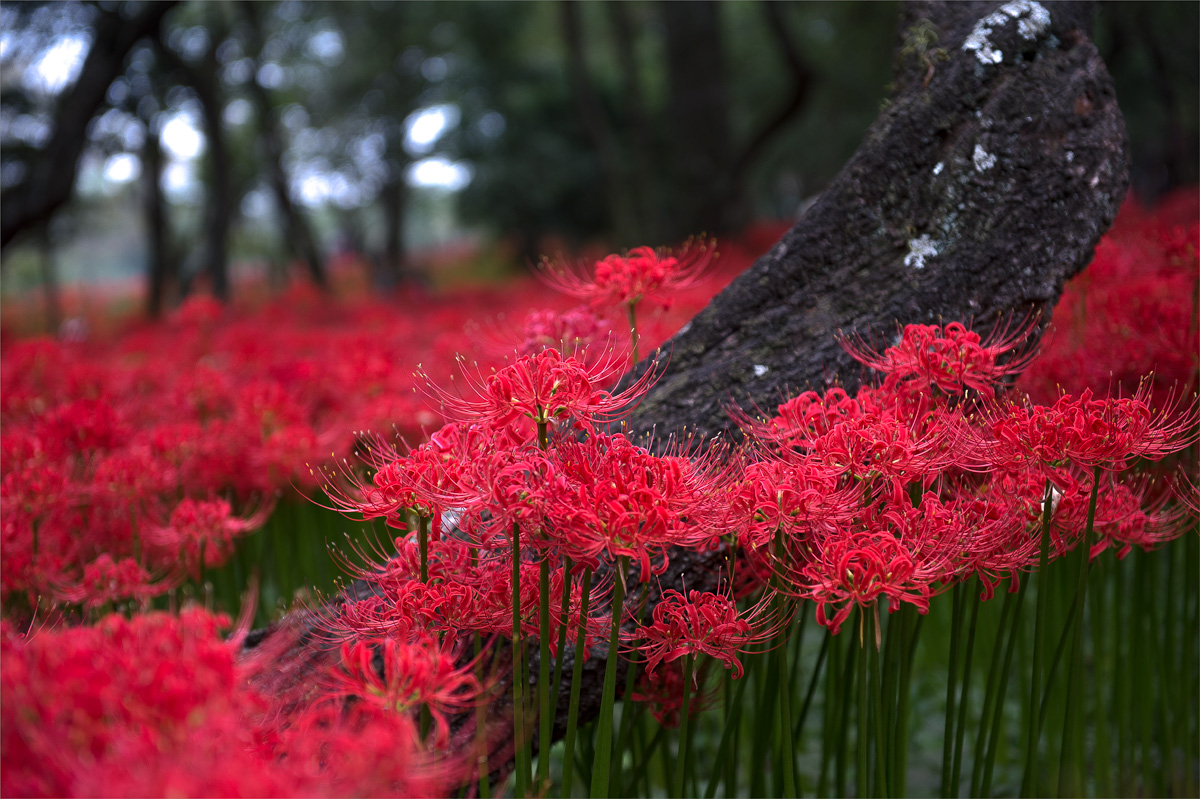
165	141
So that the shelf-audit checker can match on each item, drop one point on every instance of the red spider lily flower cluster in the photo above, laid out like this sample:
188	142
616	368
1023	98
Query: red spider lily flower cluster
160	705
705	623
904	490
109	493
412	676
641	275
951	358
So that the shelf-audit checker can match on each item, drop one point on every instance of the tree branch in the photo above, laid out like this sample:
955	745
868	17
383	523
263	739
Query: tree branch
52	175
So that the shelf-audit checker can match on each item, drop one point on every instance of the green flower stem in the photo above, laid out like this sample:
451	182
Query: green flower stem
1102	761
631	712
788	750
640	766
564	623
1034	729
985	787
989	695
481	759
862	777
890	671
1123	694
764	716
1061	647
1143	675
951	677
604	724
1070	774
878	721
798	724
1187	652
631	309
830	713
961	727
848	671
1165	682
733	718
576	680
423	524
912	633
689	663
545	712
522	774
1172	688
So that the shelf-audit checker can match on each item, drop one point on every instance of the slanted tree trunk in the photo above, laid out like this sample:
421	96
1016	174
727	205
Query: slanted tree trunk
973	197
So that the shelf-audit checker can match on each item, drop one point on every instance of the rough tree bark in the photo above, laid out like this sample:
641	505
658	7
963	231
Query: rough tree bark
977	192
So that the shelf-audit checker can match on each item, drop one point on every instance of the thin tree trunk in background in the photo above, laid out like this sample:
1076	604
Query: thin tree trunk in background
52	174
50	293
393	197
697	118
802	82
205	82
596	124
646	193
154	211
296	229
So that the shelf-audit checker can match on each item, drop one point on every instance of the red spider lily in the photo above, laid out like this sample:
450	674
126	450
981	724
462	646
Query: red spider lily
1185	489
889	448
202	532
794	497
511	486
577	331
897	553
1129	512
1087	432
105	580
1131	313
663	691
76	702
421	673
574	331
643	275
427	481
705	623
547	388
625	502
802	419
952	358
1002	536
361	749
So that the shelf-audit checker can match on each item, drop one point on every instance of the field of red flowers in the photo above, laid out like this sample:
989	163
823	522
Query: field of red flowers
1013	546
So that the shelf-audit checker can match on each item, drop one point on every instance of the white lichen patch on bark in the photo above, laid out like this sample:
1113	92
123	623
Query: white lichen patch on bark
1032	21
983	159
918	251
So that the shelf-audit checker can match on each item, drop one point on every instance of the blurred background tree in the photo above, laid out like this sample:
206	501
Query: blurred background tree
179	145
